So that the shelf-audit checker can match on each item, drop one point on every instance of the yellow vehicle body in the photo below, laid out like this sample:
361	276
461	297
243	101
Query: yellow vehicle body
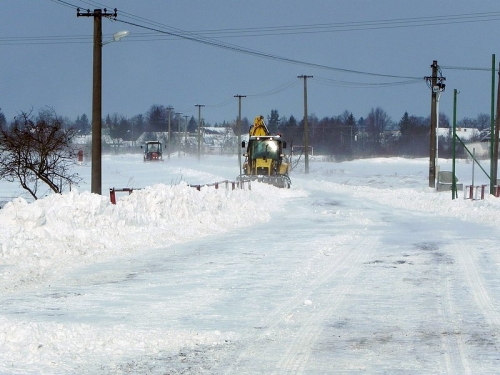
264	159
259	127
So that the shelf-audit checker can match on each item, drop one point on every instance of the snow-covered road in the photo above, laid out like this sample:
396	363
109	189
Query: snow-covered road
356	269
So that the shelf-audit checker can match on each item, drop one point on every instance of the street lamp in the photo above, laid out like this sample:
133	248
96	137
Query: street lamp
117	36
96	169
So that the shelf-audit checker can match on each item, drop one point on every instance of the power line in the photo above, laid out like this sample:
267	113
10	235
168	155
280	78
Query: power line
234	48
340	27
340	83
57	39
466	68
283	87
65	3
276	30
329	27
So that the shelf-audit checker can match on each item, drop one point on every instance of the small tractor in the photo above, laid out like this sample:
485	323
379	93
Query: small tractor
153	151
264	158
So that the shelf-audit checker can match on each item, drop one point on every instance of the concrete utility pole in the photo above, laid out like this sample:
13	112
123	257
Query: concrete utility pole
492	126
436	85
238	147
432	144
199	128
494	161
306	130
96	169
169	130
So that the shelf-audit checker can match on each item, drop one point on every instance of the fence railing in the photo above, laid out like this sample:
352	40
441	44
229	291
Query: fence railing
241	184
234	184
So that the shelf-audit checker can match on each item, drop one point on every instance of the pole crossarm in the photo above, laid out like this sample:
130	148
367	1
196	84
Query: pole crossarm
97	13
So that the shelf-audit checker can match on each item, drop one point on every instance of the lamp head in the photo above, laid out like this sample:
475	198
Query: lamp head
120	34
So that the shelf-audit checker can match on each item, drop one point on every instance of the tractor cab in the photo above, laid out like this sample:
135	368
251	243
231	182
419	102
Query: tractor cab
153	151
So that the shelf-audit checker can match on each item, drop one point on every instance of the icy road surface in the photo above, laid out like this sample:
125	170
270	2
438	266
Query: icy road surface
358	269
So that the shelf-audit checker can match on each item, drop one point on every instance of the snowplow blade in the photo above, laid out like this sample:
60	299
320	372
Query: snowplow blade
280	181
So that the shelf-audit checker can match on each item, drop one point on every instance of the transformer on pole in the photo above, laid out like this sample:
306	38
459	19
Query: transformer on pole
436	84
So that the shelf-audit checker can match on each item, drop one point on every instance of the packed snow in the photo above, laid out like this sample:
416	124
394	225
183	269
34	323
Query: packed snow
360	267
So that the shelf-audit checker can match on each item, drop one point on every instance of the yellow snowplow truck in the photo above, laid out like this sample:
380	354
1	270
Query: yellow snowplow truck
264	158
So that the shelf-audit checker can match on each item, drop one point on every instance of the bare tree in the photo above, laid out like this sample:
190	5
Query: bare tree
37	152
483	121
228	141
376	123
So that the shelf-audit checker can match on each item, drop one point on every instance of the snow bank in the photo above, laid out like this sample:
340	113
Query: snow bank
63	231
66	347
45	239
423	200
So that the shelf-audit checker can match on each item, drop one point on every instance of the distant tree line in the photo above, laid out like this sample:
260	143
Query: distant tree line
342	136
346	137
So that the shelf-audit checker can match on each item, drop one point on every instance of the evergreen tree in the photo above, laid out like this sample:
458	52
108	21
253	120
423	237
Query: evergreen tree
192	125
138	125
82	124
273	121
157	118
414	136
3	120
245	125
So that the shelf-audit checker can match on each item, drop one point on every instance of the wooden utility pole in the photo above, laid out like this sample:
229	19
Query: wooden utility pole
179	134
169	109
238	128
306	130
199	128
96	178
185	133
96	154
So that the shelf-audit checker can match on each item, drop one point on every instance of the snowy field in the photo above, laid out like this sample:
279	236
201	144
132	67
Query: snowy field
360	267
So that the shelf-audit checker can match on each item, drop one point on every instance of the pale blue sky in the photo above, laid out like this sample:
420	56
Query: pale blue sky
398	38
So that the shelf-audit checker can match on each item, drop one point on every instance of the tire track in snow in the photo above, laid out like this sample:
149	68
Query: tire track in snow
486	307
479	292
454	357
348	264
298	352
